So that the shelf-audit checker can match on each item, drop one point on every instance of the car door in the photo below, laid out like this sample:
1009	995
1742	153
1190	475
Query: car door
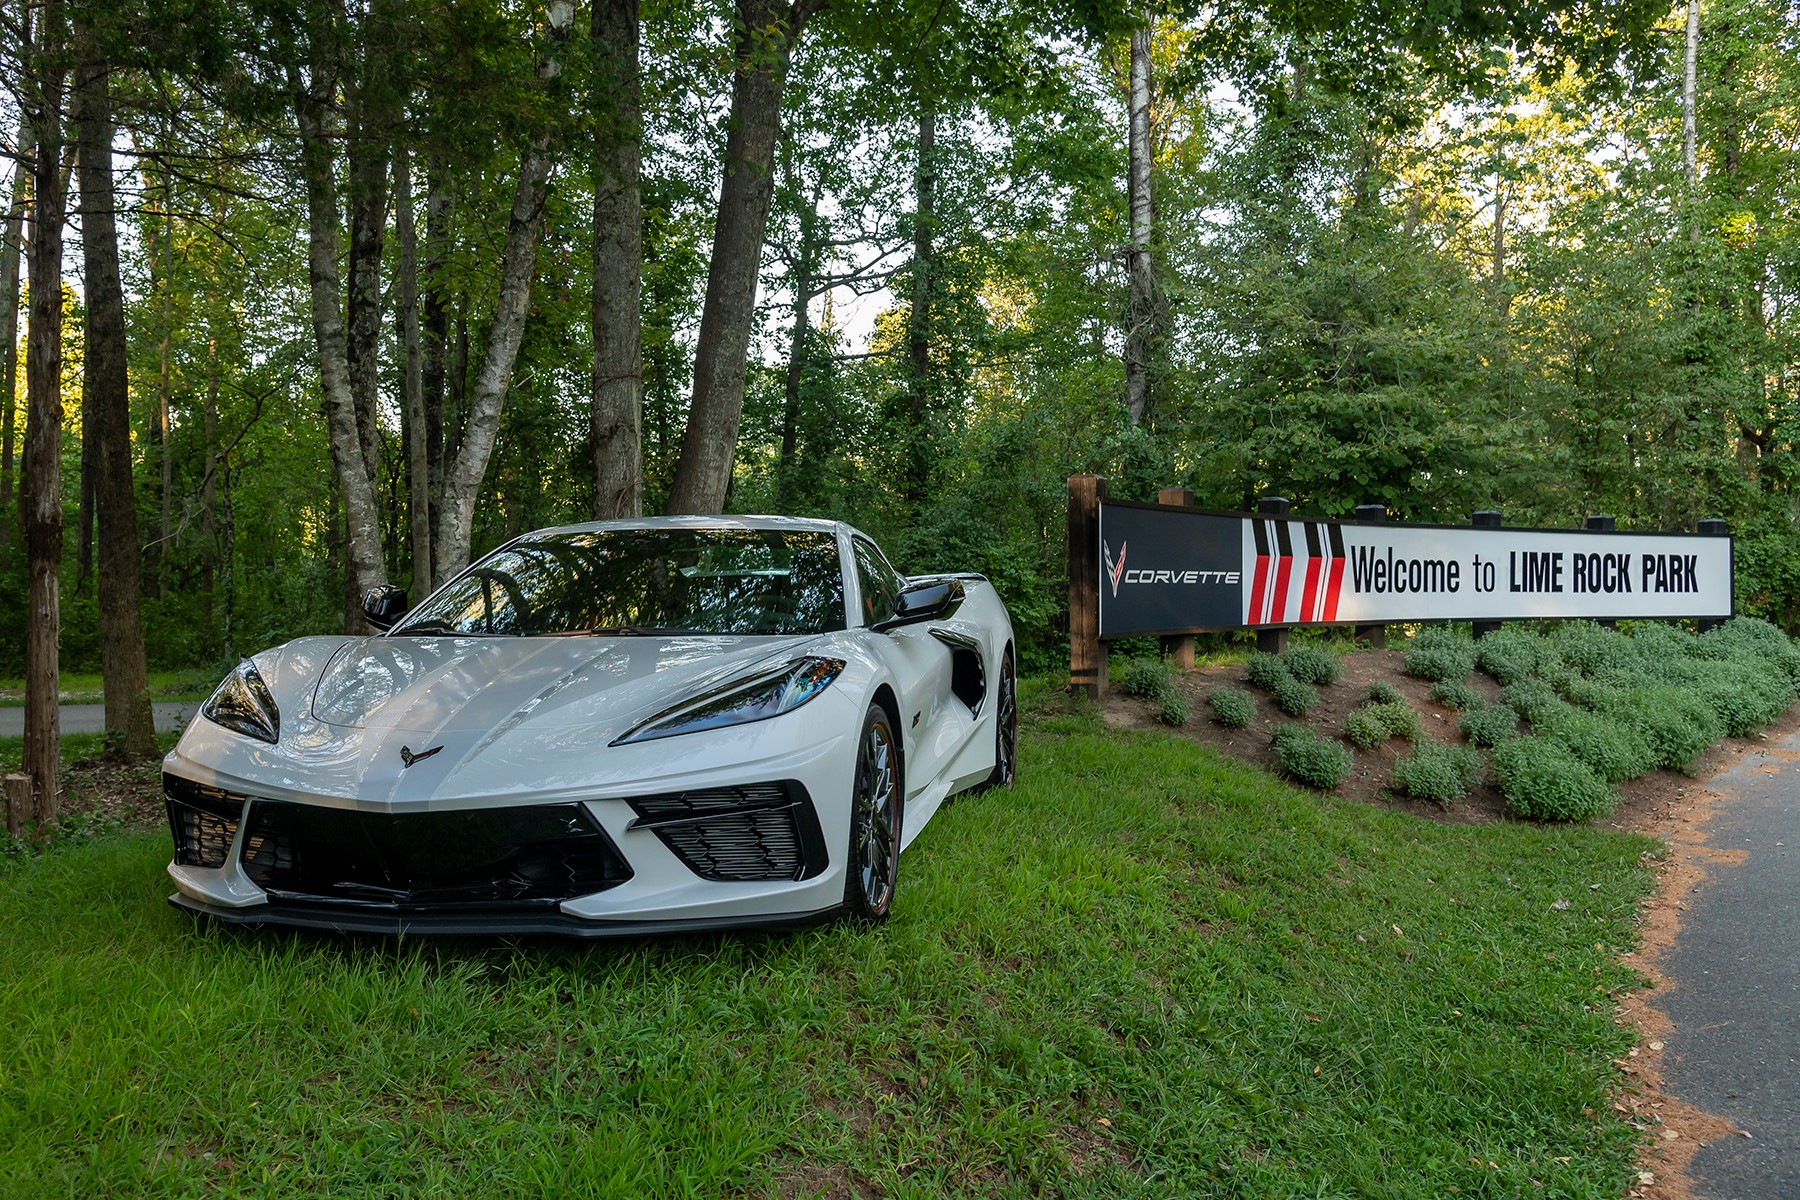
921	665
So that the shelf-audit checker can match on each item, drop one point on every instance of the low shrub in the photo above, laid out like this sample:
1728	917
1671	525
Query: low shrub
1320	761
1383	692
1532	699
1589	693
1745	693
1677	725
1266	670
1437	771
1439	654
1369	727
1489	726
1612	750
1309	664
1509	654
1232	707
1590	649
1542	781
1173	706
1146	677
1454	693
1293	697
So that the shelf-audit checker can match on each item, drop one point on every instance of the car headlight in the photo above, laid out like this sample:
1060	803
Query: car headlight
754	698
243	704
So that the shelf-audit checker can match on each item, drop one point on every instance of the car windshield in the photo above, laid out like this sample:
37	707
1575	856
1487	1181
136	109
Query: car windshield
625	582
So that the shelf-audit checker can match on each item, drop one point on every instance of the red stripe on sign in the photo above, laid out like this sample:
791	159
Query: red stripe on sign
1331	591
1310	595
1256	590
1279	611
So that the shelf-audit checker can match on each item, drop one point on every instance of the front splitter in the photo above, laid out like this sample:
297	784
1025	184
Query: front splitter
480	922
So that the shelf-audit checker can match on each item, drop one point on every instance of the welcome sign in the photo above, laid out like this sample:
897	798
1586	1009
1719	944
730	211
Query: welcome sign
1173	570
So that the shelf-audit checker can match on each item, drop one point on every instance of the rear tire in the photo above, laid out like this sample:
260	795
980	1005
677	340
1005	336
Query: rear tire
876	808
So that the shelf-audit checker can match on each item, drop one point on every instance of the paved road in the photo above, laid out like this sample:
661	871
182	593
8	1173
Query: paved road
1735	1050
91	718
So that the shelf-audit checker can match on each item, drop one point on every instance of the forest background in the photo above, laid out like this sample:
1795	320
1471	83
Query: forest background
297	298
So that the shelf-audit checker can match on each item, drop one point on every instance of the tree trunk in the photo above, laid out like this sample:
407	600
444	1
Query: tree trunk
803	283
418	460
618	265
371	107
43	430
518	263
12	236
434	336
1690	62
918	322
125	675
1140	281
363	565
768	30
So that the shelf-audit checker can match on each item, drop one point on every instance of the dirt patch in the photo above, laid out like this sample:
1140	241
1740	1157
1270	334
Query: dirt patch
107	793
1670	806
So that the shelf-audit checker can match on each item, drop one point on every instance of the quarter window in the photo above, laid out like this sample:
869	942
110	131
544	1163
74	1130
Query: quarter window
878	582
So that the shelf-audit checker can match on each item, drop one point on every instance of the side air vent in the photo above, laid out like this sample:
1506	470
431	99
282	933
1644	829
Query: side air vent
968	678
203	821
762	831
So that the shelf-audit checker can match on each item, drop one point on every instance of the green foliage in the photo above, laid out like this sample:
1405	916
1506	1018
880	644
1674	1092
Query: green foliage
1543	781
1489	725
1746	693
1370	726
1675	724
1455	693
1439	654
1146	677
1510	653
1310	664
1232	707
1266	671
1321	762
1532	699
1438	771
1591	649
1293	697
1612	750
1173	707
1383	692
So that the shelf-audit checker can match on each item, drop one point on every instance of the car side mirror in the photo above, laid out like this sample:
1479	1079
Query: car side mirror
383	606
925	600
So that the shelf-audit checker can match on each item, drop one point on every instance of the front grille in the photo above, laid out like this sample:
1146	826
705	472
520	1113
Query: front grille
203	821
538	855
761	831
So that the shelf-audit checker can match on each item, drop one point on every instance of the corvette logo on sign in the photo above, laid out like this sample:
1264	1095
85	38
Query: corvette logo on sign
408	758
1114	570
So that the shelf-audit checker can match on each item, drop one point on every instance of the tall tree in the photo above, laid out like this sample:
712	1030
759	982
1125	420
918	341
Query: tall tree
618	264
1141	282
518	261
766	33
124	671
44	420
12	236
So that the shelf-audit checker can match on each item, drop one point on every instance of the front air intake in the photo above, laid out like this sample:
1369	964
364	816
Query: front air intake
758	832
203	821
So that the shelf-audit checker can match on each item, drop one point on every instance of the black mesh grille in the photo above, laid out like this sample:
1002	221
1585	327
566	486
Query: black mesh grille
762	831
536	855
202	819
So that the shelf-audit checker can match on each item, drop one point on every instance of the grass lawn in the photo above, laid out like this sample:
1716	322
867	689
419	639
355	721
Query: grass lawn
78	688
1146	971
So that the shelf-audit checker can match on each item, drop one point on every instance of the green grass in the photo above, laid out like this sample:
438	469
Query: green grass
78	688
1146	971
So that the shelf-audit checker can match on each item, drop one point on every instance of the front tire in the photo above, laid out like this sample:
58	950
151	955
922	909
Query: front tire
876	804
1006	726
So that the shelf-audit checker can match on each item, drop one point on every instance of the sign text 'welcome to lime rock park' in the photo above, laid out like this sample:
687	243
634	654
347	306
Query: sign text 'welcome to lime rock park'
1169	570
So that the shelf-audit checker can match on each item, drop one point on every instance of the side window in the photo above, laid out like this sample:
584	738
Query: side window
875	580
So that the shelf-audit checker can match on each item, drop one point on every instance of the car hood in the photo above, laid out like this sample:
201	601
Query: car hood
434	685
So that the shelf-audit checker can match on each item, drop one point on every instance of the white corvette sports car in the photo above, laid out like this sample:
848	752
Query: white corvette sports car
615	728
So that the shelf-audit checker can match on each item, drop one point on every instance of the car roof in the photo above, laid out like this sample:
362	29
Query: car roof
796	524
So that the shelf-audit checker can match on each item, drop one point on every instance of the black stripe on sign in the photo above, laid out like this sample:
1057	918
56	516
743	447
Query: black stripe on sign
1287	543
1337	540
1262	537
1312	540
